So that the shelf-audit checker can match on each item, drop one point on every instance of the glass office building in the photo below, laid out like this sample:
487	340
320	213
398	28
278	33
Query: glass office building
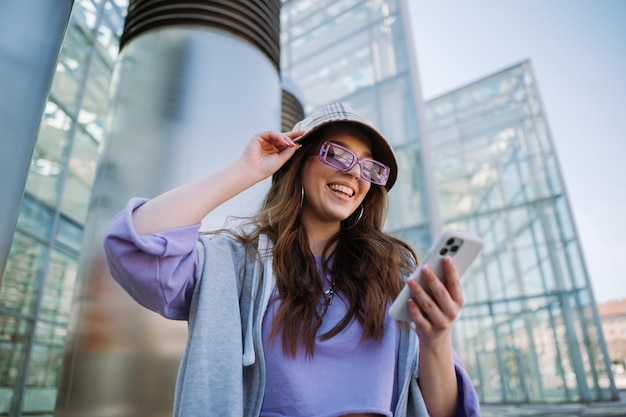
529	330
40	276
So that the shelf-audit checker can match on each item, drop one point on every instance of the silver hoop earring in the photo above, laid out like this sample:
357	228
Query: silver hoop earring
356	220
360	215
301	196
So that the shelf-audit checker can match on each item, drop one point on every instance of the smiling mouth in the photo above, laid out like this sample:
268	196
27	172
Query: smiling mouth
347	191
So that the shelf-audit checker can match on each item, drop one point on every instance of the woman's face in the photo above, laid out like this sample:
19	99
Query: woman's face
331	195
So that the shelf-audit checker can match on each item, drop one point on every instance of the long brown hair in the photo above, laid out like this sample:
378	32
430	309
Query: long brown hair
367	264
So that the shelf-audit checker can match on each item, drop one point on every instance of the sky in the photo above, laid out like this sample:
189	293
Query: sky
577	49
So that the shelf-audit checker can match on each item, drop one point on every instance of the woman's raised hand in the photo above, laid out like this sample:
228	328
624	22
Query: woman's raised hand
268	151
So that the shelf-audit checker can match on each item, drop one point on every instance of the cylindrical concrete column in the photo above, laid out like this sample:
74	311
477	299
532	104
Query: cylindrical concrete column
193	82
31	34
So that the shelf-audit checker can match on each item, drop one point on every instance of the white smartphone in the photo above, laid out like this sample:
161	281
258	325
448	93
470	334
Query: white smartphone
461	247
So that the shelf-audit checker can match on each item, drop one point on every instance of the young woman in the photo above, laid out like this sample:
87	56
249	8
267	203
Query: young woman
288	314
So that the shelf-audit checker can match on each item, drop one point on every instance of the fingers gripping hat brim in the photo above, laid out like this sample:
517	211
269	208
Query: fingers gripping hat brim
341	112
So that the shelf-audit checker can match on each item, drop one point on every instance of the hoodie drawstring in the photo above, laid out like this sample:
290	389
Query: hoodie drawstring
249	354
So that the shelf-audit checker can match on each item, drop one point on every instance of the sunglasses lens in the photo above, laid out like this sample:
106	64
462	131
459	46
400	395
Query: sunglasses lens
339	158
374	171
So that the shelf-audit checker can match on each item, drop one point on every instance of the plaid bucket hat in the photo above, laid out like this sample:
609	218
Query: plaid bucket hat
341	112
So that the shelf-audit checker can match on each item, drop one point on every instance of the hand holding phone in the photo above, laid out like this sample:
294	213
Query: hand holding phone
461	247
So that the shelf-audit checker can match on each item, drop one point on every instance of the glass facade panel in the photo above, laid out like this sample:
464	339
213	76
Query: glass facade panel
13	333
345	47
45	367
22	276
96	91
69	234
50	155
70	73
56	300
80	176
348	61
395	111
110	29
412	188
35	217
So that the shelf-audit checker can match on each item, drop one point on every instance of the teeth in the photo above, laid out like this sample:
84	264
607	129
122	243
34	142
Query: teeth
342	189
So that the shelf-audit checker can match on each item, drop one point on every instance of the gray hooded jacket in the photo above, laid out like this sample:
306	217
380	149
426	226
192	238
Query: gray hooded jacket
223	367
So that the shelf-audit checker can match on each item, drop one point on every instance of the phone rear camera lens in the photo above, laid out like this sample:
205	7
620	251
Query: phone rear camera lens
454	248
450	241
443	251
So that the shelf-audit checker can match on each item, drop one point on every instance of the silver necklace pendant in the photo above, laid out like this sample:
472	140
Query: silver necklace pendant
329	294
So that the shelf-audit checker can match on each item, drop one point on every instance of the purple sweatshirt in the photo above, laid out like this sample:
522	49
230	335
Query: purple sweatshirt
160	272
